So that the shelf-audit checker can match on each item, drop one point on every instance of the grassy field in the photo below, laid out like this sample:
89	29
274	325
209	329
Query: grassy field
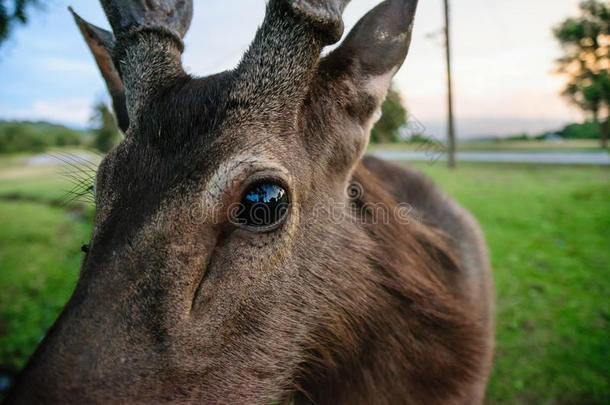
40	255
548	229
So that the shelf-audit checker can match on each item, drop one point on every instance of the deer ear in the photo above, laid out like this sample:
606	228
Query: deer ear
101	44
365	63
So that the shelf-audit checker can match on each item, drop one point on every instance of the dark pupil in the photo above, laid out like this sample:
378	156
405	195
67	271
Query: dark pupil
263	205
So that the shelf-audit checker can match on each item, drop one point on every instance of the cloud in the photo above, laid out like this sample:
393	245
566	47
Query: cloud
69	66
74	111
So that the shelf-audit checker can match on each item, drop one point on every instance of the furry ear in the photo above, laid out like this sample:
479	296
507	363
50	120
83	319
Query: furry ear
345	97
370	55
101	44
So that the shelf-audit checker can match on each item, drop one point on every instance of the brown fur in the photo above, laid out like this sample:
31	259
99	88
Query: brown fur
343	302
406	334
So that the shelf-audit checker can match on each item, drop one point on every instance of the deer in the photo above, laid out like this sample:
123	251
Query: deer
236	255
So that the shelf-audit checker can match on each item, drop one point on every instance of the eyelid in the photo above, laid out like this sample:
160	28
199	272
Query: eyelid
264	176
229	184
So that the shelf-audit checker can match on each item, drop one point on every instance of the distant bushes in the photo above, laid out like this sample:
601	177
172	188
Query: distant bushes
36	136
588	130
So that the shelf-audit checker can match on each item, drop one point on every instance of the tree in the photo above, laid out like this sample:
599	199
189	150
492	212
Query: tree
17	14
393	117
107	134
586	44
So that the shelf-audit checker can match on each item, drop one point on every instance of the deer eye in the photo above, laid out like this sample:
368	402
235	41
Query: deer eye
263	206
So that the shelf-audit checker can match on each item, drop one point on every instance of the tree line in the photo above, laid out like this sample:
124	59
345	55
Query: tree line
28	136
36	136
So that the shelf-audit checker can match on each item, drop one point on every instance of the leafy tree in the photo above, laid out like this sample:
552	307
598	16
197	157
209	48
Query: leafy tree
586	43
107	134
15	14
393	116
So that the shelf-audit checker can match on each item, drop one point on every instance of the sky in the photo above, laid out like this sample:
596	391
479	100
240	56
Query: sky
503	55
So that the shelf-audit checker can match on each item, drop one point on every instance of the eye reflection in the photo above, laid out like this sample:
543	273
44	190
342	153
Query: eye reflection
263	205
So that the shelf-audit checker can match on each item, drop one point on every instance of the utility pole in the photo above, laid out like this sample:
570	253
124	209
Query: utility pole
450	120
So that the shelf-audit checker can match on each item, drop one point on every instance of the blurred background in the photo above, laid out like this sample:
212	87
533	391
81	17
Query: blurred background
530	85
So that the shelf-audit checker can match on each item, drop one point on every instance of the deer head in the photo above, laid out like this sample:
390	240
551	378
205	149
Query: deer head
214	271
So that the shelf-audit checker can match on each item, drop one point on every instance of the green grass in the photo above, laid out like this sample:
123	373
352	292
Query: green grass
40	255
548	228
49	189
39	262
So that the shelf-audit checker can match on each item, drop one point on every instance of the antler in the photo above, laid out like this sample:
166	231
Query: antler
325	15
129	17
279	65
148	44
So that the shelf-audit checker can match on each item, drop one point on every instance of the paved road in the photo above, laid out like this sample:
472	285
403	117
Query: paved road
568	158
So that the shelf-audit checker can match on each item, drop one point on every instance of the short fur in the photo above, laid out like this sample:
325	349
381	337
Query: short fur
348	300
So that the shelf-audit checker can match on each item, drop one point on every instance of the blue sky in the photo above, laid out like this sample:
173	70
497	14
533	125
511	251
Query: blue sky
503	55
